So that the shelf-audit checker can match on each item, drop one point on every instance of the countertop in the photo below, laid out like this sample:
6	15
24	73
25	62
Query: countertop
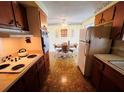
7	80
106	58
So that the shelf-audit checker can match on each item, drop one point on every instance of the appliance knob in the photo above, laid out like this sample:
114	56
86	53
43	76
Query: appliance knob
11	60
10	55
19	58
6	57
15	59
4	60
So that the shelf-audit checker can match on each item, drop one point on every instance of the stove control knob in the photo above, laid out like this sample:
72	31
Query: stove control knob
11	60
19	58
6	57
10	55
15	59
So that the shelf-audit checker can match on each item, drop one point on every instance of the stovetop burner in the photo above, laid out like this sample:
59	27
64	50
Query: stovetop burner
4	66
31	56
18	67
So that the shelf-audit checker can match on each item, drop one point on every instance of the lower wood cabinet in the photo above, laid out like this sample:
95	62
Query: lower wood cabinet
96	73
18	86
107	85
32	80
46	59
106	79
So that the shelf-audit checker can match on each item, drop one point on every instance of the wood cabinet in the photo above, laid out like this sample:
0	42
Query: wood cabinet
13	15
105	16
96	73
108	14
20	15
33	79
106	79
118	21
18	86
47	64
6	14
107	85
41	70
98	19
43	18
116	77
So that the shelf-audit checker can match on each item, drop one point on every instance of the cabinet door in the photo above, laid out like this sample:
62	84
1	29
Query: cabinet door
6	14
19	86
43	19
118	21
20	15
116	77
107	85
98	19
47	64
96	73
31	79
108	14
41	70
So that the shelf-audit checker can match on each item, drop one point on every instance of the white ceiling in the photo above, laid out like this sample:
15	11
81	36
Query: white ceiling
72	11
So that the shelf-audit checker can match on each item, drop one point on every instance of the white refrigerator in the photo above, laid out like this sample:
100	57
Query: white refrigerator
93	40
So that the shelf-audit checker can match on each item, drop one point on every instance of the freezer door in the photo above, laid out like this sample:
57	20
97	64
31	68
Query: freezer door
83	33
81	56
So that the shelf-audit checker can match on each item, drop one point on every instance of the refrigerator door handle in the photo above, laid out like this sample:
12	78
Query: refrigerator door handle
85	41
85	51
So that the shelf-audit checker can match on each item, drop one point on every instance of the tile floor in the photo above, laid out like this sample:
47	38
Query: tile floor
64	76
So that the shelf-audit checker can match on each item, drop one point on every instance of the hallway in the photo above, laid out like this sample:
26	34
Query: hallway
65	76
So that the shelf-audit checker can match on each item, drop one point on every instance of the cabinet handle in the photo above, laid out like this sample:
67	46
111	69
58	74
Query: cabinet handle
11	22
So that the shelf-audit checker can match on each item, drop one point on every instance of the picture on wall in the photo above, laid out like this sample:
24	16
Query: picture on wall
64	32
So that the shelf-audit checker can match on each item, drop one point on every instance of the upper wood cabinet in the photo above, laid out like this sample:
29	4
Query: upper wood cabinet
20	15
108	14
98	19
13	15
6	14
43	19
118	21
105	16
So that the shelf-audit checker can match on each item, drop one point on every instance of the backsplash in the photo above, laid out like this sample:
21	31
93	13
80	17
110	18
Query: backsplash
9	45
13	44
118	48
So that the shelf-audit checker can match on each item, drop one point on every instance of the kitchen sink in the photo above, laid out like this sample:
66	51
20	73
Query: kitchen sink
119	64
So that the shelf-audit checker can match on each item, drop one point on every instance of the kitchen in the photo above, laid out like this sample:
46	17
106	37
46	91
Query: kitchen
25	59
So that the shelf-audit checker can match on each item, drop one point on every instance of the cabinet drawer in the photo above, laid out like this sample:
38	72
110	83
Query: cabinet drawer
115	76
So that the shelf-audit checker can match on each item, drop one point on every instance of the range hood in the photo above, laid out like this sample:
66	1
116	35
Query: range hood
4	32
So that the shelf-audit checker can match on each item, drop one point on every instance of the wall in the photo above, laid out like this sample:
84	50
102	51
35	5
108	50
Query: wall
118	48
88	22
35	44
55	35
9	45
13	44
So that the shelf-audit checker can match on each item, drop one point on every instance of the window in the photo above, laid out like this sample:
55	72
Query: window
63	32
